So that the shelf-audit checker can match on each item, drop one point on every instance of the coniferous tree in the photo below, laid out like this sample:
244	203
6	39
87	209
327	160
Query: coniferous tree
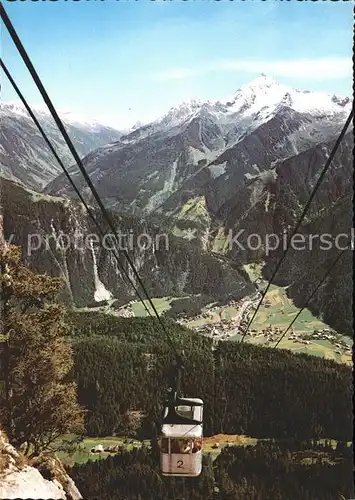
40	403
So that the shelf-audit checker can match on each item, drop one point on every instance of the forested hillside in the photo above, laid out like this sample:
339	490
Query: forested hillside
268	471
121	371
122	364
168	266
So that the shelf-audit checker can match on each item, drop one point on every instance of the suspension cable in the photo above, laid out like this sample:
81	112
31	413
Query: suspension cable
313	193
50	145
26	59
312	294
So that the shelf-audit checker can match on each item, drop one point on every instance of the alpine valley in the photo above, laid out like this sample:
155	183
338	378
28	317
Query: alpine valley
208	169
25	157
213	188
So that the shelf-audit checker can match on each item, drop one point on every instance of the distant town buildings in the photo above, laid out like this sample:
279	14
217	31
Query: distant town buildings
229	327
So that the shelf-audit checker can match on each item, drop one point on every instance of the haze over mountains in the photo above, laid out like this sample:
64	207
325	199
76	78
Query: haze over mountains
25	157
209	148
248	162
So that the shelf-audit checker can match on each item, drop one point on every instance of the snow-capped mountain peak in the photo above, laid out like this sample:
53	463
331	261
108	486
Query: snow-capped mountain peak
180	112
208	127
175	117
17	108
75	118
261	83
250	106
27	159
266	94
261	92
319	103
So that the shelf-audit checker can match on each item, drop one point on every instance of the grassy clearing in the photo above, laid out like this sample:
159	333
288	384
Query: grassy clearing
220	242
37	197
179	233
313	349
254	270
281	311
83	454
161	304
222	313
228	312
195	209
279	314
224	440
214	318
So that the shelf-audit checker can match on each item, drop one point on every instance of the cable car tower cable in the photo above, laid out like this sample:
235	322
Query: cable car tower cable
305	210
335	261
26	59
177	422
172	417
50	145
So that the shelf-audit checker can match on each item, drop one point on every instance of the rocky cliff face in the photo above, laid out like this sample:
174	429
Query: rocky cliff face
19	480
272	201
168	265
327	229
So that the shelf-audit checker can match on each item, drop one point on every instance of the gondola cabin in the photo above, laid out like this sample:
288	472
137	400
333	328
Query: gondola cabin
181	438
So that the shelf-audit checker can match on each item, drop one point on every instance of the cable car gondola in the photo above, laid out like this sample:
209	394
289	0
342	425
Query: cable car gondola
181	438
181	432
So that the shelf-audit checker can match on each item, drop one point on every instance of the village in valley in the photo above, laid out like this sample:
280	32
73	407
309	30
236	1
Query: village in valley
234	327
228	322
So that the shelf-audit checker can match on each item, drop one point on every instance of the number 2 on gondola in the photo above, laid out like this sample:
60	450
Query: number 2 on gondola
179	464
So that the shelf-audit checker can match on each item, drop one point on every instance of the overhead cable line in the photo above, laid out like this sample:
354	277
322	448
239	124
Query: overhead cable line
26	59
50	145
312	294
305	210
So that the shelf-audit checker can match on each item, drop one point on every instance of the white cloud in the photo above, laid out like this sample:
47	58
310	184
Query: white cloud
326	68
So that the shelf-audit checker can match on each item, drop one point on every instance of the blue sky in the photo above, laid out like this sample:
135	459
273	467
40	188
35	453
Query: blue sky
122	61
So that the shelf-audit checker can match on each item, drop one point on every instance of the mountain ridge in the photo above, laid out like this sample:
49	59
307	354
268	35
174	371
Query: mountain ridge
24	155
214	167
209	144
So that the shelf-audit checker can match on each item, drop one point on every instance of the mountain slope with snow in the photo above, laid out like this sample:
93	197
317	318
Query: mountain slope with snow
24	156
207	148
249	107
249	162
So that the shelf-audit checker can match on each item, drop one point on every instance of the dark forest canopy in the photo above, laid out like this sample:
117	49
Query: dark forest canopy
267	471
122	368
122	364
